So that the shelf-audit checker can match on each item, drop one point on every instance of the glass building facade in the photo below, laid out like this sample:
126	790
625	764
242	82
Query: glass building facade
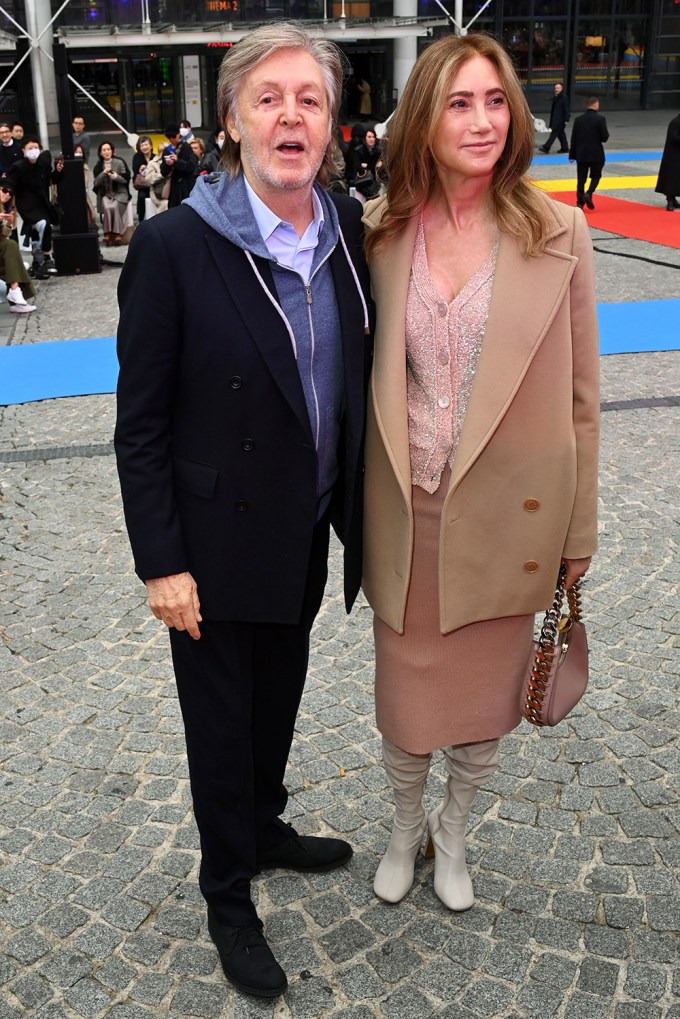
626	52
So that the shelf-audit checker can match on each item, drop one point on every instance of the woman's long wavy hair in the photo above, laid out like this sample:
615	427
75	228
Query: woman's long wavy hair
521	209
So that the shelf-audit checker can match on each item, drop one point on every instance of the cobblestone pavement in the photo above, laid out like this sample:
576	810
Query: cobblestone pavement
574	844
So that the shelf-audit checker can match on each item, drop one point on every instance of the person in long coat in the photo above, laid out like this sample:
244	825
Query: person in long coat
482	436
110	184
588	136
668	183
31	178
559	118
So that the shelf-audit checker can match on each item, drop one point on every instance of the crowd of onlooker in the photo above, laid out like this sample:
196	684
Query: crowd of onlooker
161	179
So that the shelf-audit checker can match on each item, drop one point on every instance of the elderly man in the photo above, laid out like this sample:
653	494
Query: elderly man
239	440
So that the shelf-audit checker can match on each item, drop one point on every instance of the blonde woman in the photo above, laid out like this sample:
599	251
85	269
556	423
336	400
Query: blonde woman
481	450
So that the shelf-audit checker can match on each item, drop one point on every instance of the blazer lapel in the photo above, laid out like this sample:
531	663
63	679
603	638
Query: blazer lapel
264	323
390	276
526	295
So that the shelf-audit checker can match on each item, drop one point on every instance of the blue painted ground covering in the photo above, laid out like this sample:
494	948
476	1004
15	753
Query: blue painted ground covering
612	157
42	371
633	326
45	371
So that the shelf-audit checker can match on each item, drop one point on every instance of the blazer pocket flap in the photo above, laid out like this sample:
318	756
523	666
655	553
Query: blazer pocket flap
198	478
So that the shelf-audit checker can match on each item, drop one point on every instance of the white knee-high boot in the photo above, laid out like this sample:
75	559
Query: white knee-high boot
407	774
468	768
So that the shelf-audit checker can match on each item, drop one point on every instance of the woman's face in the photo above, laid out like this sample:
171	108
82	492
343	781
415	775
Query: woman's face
145	147
473	127
370	139
197	149
106	151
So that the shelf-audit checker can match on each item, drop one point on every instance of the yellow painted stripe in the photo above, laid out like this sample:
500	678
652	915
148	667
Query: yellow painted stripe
606	184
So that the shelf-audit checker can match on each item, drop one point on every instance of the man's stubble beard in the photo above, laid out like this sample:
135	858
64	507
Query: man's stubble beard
307	174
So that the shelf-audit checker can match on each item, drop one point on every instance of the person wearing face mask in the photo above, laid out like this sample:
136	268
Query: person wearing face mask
185	132
10	148
30	179
180	164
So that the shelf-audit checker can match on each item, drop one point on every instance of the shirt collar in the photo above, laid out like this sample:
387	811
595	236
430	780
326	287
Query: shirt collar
268	221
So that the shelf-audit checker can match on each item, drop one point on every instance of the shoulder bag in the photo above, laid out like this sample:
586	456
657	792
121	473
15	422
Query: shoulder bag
558	664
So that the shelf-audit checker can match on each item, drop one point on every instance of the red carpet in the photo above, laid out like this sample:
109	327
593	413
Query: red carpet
630	219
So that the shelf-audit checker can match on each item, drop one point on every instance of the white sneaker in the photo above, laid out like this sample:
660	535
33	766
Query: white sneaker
17	301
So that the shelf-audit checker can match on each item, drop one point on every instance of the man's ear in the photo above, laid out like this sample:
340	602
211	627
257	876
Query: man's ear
231	129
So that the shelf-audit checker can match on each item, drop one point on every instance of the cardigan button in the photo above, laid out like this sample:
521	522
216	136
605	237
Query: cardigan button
235	382
247	444
531	566
241	505
531	505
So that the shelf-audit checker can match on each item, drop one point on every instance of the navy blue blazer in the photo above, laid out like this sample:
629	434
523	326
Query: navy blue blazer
216	457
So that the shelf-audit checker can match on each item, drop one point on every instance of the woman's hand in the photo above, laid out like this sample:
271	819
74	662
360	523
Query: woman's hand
575	569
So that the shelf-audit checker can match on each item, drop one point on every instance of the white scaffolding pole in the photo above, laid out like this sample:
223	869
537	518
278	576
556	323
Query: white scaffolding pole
36	68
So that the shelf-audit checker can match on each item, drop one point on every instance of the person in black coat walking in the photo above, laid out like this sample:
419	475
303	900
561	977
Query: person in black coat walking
668	183
588	136
559	118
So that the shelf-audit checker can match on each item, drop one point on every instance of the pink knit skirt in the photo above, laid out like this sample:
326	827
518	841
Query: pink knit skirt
433	691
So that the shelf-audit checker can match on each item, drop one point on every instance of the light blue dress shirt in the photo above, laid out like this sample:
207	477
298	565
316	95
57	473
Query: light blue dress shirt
283	243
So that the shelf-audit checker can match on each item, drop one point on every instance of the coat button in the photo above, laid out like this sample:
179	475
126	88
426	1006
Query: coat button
531	505
531	566
247	444
235	382
241	505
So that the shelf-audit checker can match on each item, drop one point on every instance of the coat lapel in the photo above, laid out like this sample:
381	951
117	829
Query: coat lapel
390	276
263	321
526	295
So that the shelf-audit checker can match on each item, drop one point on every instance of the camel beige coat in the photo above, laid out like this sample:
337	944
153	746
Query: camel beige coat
523	488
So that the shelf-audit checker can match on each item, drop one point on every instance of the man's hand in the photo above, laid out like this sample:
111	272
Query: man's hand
174	600
575	569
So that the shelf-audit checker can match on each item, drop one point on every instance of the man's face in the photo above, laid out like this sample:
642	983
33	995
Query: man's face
78	125
5	134
282	122
18	132
31	145
558	89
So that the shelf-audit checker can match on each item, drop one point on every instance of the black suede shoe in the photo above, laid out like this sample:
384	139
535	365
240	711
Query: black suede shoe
305	853
589	200
247	959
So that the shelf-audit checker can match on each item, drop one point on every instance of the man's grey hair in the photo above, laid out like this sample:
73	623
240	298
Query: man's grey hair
257	46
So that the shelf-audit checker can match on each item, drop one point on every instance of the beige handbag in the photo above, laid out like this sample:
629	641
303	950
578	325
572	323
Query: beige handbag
558	666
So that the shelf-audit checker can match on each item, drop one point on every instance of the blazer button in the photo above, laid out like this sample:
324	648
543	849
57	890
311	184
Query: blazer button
531	505
531	566
247	444
235	382
241	505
